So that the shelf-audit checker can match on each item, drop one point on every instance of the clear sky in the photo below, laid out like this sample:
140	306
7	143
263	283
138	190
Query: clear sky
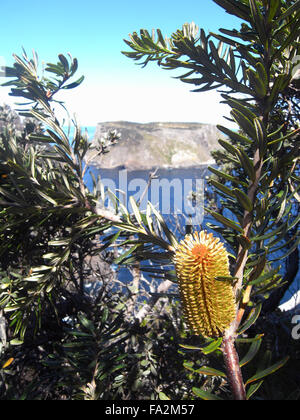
115	88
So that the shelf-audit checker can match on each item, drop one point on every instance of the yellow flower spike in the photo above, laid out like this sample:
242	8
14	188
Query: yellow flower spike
208	304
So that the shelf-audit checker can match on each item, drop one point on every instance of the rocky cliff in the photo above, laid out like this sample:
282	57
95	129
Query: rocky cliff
144	146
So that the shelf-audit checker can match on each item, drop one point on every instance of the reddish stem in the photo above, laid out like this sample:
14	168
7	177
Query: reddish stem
233	369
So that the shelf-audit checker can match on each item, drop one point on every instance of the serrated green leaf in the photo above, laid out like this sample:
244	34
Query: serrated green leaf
149	219
219	62
261	70
105	315
40	138
210	347
269	286
55	68
289	252
127	227
273	8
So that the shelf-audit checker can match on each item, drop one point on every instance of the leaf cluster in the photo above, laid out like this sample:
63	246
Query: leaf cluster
48	216
51	223
258	191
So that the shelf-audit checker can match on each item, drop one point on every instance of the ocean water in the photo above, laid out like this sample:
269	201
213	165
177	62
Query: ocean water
89	129
176	193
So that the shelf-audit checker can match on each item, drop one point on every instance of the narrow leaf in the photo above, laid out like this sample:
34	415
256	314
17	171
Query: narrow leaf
136	211
205	395
227	176
253	350
228	147
8	363
227	222
253	388
222	188
205	370
244	123
211	347
234	135
162	396
254	314
246	163
243	199
268	371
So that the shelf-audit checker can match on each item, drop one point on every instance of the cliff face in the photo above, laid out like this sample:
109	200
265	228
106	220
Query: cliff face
144	146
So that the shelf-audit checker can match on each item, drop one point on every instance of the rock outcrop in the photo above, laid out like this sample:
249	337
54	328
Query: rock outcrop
144	146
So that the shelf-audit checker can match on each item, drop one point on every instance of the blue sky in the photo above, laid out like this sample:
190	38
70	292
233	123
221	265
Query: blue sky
115	88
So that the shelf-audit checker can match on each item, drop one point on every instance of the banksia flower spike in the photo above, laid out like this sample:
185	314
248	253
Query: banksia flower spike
208	304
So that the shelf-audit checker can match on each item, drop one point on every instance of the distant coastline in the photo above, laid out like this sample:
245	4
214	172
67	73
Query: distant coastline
158	144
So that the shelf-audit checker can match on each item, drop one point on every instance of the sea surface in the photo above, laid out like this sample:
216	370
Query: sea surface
90	130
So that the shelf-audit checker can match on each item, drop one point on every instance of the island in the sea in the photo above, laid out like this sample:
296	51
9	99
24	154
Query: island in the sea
158	144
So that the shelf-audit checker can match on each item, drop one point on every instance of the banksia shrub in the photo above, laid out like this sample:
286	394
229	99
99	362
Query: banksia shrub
208	303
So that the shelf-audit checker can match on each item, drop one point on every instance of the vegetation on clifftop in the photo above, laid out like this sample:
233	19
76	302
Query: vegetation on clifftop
161	144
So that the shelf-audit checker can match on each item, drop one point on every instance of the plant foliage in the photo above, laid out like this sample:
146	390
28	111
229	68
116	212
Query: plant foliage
67	329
